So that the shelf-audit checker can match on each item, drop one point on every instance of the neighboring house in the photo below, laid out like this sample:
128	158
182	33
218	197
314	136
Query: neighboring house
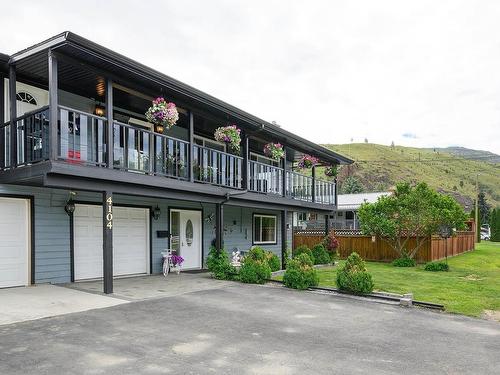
88	189
345	217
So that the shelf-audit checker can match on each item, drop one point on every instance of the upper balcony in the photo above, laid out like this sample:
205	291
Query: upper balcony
91	114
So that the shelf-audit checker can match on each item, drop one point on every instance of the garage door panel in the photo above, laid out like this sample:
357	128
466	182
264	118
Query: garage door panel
130	241
14	242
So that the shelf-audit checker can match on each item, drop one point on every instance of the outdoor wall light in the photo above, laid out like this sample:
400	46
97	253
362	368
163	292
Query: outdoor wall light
156	213
70	204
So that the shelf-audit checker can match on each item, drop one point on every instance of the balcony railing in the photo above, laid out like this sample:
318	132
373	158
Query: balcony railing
299	186
217	167
264	178
82	139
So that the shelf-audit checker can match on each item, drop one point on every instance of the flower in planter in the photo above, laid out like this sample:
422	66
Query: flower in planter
307	161
163	114
230	135
274	151
177	260
331	171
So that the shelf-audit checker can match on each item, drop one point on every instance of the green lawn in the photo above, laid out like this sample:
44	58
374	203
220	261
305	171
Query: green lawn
471	286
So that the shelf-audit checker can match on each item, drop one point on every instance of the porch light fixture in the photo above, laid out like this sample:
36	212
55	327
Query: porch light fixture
155	213
100	110
159	129
70	204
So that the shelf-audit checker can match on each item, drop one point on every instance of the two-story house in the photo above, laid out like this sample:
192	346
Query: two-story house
90	189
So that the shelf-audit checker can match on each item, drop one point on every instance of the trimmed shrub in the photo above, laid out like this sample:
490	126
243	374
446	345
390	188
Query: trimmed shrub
320	255
300	273
404	262
353	276
255	267
436	266
219	266
303	249
273	261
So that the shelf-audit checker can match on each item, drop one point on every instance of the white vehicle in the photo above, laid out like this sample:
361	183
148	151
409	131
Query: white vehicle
485	232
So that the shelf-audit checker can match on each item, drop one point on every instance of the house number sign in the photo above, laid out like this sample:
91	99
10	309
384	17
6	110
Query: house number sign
109	212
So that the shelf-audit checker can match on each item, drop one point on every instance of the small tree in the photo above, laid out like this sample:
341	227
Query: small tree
495	225
351	185
410	212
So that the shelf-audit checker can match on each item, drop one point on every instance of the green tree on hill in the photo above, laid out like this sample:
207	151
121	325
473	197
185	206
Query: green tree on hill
351	185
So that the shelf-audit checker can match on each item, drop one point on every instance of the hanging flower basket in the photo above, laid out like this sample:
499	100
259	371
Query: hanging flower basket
307	161
274	151
331	171
230	135
162	114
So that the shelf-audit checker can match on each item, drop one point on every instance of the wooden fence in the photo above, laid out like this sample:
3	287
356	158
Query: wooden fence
434	249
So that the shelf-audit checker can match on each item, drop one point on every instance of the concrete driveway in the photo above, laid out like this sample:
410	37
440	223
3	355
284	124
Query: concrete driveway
41	301
248	329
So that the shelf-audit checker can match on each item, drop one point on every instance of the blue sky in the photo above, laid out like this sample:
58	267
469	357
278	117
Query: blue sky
419	73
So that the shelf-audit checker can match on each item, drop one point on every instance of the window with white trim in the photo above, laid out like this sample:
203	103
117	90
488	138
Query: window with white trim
264	229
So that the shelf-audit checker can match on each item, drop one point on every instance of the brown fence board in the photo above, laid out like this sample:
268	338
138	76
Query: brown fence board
434	248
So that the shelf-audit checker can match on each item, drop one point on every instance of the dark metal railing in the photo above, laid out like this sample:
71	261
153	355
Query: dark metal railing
299	186
264	178
217	167
32	136
82	137
324	192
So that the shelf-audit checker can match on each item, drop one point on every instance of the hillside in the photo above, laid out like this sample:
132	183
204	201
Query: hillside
380	167
468	153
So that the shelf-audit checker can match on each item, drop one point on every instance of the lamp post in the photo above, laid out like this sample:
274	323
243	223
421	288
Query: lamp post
445	232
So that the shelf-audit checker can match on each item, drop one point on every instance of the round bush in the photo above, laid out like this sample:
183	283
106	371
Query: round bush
353	276
436	266
320	254
300	273
254	271
303	249
273	261
404	262
218	264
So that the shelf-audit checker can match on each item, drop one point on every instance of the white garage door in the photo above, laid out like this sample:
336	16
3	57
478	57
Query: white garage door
130	241
14	242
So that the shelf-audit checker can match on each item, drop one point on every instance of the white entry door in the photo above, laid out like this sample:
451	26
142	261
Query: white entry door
130	241
14	242
185	230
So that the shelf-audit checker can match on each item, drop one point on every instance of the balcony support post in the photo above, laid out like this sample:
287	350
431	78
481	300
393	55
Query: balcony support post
107	241
219	226
284	242
313	187
13	115
191	146
245	170
285	174
53	104
109	117
2	121
327	224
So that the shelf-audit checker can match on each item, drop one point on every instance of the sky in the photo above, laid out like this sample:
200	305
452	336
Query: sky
419	73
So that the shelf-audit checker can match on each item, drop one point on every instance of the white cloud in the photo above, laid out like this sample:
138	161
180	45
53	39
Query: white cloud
327	70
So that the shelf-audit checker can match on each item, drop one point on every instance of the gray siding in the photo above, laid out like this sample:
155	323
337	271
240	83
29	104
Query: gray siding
52	229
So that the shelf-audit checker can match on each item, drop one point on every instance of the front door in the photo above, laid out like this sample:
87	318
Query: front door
185	230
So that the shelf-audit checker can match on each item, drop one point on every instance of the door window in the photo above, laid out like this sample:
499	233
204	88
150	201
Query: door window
175	230
189	232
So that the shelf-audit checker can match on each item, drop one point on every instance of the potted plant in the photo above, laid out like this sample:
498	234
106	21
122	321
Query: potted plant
162	114
230	135
177	261
331	171
307	161
274	151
